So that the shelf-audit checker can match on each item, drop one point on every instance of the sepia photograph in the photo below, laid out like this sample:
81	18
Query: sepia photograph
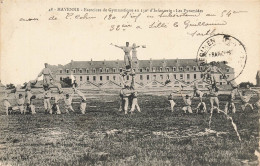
129	82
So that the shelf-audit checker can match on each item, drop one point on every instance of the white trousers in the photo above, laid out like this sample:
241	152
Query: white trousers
187	108
233	109
172	104
135	104
83	107
20	108
47	105
69	108
212	101
32	107
125	104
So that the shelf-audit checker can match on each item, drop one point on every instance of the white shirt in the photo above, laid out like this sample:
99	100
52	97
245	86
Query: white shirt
127	50
68	101
7	104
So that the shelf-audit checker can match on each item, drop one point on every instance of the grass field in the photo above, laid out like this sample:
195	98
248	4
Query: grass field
104	136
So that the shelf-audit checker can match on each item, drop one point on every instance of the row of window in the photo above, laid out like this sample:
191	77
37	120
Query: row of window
154	69
181	76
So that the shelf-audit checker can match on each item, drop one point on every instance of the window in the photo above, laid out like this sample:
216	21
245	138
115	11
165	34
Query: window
100	77
194	68
174	68
94	78
154	77
87	71
94	70
107	70
160	69
114	70
161	77
181	76
80	78
74	70
100	70
80	70
87	78
114	77
141	77
168	76
147	77
167	69
67	70
181	68
60	71
174	76
194	76
60	78
141	70
188	68
220	77
227	69
201	68
127	77
154	69
120	70
147	69
188	76
201	75
107	77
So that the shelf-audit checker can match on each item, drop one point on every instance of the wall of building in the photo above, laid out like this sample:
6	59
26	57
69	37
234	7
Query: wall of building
100	72
141	78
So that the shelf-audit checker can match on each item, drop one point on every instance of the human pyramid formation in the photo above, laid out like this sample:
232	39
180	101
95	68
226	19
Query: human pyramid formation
25	104
212	94
128	93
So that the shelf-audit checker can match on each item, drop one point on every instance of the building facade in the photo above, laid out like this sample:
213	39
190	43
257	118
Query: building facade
163	71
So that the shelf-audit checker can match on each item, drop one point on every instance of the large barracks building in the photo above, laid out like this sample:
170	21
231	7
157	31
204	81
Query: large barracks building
148	72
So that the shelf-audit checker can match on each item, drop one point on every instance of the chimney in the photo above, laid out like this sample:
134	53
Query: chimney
117	64
164	63
151	64
91	62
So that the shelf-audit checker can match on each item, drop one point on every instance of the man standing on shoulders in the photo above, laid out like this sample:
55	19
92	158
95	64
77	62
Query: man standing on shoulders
47	77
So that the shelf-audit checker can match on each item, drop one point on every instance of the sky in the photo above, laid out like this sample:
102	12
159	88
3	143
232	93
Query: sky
26	46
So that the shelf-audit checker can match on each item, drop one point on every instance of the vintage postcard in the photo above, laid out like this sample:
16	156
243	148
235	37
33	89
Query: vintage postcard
129	82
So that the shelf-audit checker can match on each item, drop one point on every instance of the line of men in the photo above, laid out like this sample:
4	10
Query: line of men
128	94
213	92
26	103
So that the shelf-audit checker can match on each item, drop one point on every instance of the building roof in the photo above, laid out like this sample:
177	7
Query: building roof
96	64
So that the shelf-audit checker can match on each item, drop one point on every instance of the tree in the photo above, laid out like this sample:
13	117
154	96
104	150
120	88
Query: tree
10	86
244	84
66	83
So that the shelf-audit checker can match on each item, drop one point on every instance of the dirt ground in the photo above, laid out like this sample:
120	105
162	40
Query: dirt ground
105	136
